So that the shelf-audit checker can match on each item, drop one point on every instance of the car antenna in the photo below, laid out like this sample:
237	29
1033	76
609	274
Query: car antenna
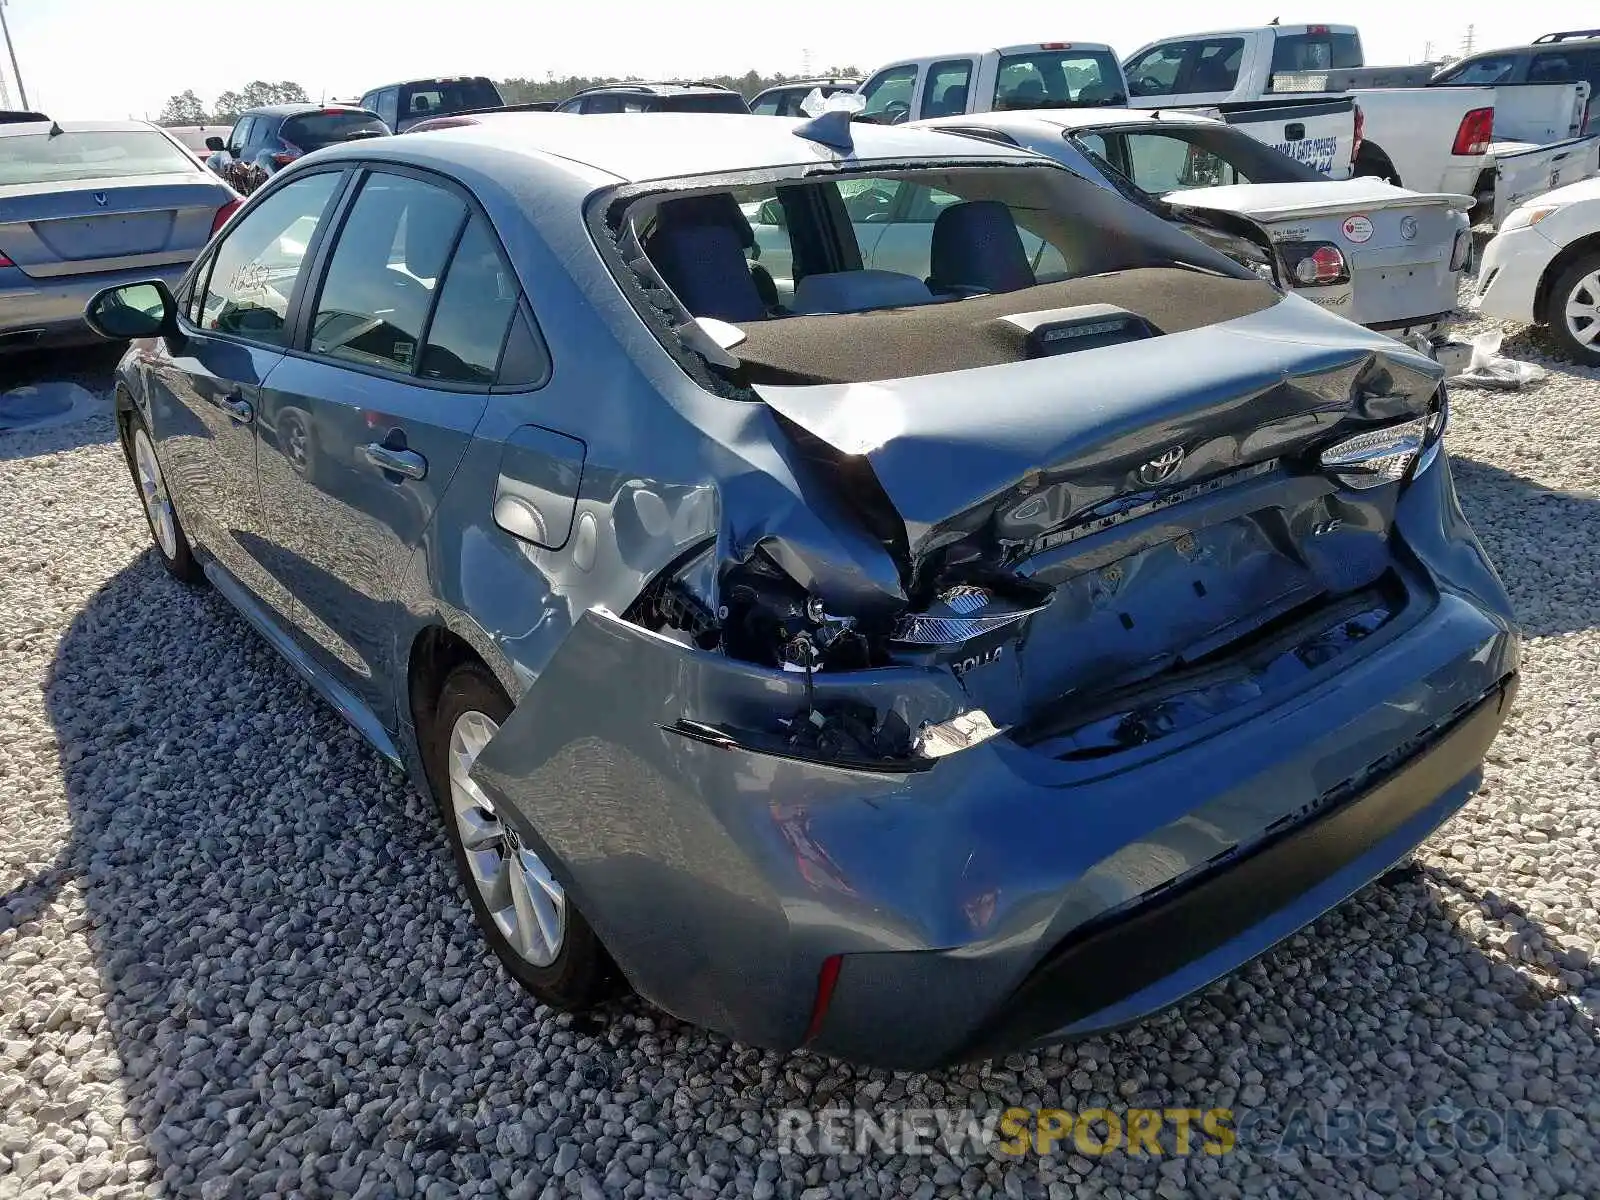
830	117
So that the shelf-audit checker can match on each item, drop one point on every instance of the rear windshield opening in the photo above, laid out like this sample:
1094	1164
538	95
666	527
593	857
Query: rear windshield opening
40	158
315	130
443	96
896	272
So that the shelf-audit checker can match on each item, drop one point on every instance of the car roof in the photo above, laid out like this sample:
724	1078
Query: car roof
428	79
1529	48
665	88
634	147
77	127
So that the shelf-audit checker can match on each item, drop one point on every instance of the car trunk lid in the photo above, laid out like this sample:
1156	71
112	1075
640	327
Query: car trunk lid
1167	500
61	229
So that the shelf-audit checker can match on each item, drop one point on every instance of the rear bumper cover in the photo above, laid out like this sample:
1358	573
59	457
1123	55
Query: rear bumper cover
969	902
49	312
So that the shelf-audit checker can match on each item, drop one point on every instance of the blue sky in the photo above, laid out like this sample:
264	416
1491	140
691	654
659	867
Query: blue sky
118	58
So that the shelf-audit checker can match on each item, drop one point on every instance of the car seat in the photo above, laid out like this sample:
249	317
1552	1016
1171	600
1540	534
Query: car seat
698	248
976	248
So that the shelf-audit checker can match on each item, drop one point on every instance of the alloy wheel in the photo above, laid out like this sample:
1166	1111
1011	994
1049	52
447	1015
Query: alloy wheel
1583	310
528	906
153	493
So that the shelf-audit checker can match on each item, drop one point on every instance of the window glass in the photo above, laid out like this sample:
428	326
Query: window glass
1481	72
258	261
1215	65
1161	164
1552	68
71	156
388	109
475	306
602	104
236	139
1057	79
767	106
383	272
888	95
441	96
772	253
1316	52
945	94
1155	72
316	130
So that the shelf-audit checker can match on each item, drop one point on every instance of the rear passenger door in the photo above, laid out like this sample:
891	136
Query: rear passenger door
398	345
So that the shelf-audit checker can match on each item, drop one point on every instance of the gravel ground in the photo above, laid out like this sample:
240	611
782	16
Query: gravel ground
234	961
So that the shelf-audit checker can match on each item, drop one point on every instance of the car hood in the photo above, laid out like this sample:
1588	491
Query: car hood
1039	444
1281	201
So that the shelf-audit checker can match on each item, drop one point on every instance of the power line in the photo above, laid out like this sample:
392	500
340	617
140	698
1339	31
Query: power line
16	71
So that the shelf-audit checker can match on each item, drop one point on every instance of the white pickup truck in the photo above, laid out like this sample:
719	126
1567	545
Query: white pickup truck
1498	144
1317	130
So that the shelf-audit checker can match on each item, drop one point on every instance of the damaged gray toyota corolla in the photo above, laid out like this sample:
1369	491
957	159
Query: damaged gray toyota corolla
902	601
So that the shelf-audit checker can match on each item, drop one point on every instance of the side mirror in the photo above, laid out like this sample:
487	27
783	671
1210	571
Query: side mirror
214	144
134	310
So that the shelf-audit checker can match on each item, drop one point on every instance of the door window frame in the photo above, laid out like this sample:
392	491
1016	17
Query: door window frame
303	306
932	76
199	275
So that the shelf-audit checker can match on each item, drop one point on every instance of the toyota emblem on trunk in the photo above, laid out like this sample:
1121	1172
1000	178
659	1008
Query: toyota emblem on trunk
1159	469
102	199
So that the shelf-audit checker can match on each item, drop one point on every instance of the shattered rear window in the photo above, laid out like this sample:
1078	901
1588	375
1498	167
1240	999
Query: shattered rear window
913	269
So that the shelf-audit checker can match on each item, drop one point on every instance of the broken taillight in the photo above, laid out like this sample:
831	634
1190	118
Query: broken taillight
1315	264
1475	132
286	153
1378	456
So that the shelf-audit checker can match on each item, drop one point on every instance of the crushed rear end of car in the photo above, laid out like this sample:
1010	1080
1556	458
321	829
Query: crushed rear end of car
1064	644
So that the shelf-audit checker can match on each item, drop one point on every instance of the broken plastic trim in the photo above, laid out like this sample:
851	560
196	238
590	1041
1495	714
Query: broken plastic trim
775	746
955	735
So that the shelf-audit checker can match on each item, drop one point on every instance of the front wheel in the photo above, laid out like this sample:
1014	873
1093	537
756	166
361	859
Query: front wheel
1574	310
166	530
525	913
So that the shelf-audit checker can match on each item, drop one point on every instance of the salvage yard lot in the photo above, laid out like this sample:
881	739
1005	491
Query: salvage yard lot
235	960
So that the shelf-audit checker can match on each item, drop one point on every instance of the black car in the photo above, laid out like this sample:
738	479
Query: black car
404	106
785	99
1572	56
675	97
267	139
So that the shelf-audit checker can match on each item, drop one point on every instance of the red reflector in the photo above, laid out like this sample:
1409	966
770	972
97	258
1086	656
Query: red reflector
1361	129
826	979
6	262
223	213
1475	133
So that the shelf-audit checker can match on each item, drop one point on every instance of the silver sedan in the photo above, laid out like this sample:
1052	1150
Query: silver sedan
90	204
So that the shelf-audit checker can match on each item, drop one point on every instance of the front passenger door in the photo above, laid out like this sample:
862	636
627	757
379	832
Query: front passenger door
401	344
206	394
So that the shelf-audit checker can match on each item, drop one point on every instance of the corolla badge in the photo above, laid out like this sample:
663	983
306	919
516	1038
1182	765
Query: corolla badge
102	199
1408	228
1161	467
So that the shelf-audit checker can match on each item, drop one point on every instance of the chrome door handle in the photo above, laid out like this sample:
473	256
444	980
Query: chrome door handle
238	408
401	462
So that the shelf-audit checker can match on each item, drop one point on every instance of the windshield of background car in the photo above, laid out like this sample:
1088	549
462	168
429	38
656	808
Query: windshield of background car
1480	72
1058	79
315	130
40	158
441	96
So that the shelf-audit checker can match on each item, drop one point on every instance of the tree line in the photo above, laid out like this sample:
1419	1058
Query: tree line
186	108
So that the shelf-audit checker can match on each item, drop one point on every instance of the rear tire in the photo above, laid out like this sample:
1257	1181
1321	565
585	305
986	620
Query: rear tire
528	920
1573	310
166	530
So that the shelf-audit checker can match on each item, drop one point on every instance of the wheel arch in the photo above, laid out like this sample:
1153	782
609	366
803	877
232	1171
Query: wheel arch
1568	254
436	649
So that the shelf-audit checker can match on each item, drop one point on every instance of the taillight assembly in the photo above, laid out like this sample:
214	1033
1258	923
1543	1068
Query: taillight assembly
1387	455
1315	264
4	261
1475	132
1461	252
223	213
286	153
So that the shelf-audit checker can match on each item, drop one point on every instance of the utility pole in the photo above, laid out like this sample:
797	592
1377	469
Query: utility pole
1468	40
16	72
